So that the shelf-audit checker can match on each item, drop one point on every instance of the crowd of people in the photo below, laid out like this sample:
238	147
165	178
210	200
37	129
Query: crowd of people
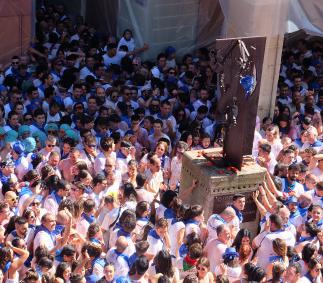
92	140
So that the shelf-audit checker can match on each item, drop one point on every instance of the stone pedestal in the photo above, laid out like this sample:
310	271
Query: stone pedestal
216	186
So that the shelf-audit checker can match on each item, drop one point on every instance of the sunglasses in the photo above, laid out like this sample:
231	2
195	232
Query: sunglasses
52	132
28	119
92	145
15	63
35	204
201	268
50	145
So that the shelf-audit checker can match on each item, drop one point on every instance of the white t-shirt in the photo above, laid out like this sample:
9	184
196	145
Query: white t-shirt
129	43
298	189
173	231
44	239
121	266
155	243
214	250
99	163
175	169
213	222
265	243
115	60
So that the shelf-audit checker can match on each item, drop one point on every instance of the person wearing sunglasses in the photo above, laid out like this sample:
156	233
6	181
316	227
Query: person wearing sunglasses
314	273
12	199
50	146
13	69
90	152
203	271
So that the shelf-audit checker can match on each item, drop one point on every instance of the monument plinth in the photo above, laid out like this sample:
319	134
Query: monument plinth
217	185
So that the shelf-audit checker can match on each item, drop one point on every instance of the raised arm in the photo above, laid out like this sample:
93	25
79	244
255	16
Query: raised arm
272	187
260	207
18	262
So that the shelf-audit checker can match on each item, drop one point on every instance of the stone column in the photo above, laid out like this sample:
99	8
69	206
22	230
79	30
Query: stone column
260	18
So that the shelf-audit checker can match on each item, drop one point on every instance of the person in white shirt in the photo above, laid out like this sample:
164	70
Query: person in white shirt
141	266
142	193
123	157
44	235
127	39
87	217
265	159
158	238
117	256
314	272
215	248
125	227
272	137
111	215
187	265
53	200
203	99
264	240
215	220
107	147
22	165
176	165
318	170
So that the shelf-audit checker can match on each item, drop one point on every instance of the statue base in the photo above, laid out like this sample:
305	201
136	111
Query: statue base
217	184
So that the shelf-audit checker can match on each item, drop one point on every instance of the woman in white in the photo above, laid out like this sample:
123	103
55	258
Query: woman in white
10	264
176	165
176	226
203	271
162	263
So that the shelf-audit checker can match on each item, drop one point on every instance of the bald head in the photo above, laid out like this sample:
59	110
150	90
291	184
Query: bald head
121	244
284	213
228	214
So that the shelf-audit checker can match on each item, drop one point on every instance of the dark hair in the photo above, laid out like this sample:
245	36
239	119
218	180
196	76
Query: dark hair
141	208
191	278
163	263
76	278
276	219
141	265
254	273
60	270
194	211
265	147
106	143
308	252
93	229
88	205
163	279
238	239
195	251
141	180
238	196
46	262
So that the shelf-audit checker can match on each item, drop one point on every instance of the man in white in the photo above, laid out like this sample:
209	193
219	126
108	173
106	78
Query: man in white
45	237
264	241
53	200
215	220
119	259
215	248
